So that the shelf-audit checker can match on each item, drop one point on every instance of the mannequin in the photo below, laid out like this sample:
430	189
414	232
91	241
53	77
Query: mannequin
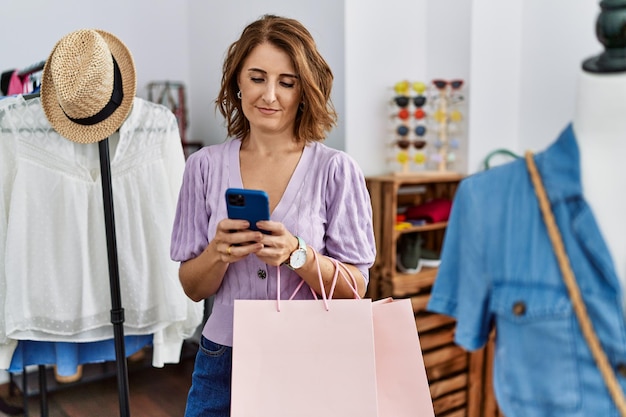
600	126
508	278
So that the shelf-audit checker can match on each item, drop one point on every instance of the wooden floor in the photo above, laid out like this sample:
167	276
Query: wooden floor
154	392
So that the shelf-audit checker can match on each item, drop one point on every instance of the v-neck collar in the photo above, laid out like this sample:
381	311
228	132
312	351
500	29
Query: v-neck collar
295	182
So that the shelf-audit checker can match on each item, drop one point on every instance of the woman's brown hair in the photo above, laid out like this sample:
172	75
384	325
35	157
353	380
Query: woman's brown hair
316	115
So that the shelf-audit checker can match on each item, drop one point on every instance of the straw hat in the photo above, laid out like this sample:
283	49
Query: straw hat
88	85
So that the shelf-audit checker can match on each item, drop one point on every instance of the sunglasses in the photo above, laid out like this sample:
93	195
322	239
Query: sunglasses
419	101
419	114
402	87
442	84
404	144
420	158
420	130
419	87
403	101
402	130
440	116
403	114
452	144
435	157
456	116
419	144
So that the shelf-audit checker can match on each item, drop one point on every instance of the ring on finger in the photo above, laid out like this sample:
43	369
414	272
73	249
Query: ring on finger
228	250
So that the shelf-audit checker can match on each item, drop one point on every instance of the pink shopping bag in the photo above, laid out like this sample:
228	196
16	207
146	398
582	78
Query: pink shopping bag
403	389
303	358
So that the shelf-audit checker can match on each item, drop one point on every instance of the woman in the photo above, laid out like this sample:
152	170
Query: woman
275	96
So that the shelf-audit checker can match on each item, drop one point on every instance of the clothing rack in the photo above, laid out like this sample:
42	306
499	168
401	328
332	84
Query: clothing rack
162	92
20	81
118	356
117	311
31	69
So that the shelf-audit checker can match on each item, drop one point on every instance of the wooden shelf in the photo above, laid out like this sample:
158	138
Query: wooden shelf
420	177
422	228
407	284
460	382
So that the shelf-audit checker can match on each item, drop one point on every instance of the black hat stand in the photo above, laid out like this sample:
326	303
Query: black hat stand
117	311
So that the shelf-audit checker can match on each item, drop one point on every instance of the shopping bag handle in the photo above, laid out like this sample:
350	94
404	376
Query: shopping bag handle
353	284
340	269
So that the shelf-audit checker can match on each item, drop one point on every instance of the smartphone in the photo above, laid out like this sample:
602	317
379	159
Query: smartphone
250	205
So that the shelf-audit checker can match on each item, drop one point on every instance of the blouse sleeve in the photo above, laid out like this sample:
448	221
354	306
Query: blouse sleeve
350	232
191	223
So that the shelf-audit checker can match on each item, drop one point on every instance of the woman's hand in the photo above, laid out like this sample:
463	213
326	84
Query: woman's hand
202	276
234	240
277	248
278	245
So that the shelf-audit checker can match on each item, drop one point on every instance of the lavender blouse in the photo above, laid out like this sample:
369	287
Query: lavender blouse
326	203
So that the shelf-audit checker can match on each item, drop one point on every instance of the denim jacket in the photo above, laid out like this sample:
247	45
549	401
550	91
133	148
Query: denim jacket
498	269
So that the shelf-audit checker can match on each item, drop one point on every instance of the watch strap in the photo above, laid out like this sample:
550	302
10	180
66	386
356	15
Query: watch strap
301	247
301	243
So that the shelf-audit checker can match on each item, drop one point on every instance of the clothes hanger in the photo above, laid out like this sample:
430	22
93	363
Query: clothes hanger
31	95
31	69
505	152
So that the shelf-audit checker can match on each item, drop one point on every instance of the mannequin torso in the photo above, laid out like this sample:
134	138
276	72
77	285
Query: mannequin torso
600	127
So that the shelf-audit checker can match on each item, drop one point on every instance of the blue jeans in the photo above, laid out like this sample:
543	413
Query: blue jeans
209	395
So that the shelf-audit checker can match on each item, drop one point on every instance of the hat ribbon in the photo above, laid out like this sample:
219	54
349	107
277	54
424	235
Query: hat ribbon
114	102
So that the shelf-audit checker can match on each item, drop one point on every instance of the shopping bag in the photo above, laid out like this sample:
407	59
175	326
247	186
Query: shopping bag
403	389
303	358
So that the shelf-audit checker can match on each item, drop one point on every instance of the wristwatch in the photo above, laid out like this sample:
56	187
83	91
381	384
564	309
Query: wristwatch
298	257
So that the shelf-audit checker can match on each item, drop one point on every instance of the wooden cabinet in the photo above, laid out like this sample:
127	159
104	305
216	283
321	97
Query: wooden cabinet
460	382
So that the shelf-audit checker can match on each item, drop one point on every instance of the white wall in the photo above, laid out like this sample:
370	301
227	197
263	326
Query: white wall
153	30
525	57
520	57
382	48
495	67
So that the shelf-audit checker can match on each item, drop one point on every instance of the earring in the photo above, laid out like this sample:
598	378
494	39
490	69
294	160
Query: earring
239	94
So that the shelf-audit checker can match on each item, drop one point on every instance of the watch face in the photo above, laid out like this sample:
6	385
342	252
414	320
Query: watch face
298	258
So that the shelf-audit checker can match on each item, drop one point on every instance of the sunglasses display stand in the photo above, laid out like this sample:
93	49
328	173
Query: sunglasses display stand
426	122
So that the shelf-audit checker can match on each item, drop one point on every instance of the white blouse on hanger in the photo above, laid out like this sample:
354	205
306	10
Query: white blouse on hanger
54	280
